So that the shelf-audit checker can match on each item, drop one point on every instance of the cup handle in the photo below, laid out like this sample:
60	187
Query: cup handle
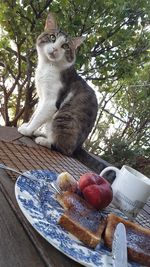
111	168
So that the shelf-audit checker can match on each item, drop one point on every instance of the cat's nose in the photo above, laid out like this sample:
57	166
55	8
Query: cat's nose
55	49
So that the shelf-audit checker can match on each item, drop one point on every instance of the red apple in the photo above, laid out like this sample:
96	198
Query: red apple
96	190
87	179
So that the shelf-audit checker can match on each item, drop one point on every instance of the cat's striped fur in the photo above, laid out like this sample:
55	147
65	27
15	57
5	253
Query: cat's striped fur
67	105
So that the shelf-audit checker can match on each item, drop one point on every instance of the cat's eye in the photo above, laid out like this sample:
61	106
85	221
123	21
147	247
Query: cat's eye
52	38
65	46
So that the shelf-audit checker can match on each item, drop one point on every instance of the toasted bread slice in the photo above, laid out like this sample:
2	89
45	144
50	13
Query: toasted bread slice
138	239
71	200
80	219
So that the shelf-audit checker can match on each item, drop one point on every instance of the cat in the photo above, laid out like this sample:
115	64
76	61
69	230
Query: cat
67	106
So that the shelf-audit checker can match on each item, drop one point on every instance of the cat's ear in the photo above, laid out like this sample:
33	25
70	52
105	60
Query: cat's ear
77	41
51	23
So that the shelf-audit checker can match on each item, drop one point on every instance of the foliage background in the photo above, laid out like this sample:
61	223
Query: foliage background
114	60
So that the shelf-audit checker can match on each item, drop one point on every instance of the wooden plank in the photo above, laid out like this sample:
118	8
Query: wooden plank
51	256
11	134
15	247
26	141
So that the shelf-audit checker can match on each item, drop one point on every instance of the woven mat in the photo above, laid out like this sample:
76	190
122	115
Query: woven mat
22	158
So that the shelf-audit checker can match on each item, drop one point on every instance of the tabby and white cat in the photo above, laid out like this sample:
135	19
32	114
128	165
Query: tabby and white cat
67	106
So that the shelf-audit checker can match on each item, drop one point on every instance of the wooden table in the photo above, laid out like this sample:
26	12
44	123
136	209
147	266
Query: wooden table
20	244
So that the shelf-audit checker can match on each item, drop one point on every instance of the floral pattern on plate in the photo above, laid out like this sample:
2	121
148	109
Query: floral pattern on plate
37	201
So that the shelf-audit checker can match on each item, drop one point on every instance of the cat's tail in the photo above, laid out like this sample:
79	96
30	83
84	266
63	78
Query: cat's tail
93	162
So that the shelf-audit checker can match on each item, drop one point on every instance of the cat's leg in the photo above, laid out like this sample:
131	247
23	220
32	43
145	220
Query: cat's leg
66	133
48	139
40	131
44	141
25	125
44	112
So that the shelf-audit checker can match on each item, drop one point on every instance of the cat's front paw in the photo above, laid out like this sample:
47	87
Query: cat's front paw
38	133
25	130
43	141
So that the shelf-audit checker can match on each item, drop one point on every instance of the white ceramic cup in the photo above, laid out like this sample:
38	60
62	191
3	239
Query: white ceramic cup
131	190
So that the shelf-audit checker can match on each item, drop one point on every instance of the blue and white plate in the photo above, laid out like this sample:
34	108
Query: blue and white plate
37	201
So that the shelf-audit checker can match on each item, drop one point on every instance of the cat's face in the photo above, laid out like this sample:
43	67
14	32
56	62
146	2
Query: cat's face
55	45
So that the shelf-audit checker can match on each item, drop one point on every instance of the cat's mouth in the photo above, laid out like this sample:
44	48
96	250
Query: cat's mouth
54	56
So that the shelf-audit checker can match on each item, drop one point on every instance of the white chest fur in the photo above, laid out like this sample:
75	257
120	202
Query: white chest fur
47	81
